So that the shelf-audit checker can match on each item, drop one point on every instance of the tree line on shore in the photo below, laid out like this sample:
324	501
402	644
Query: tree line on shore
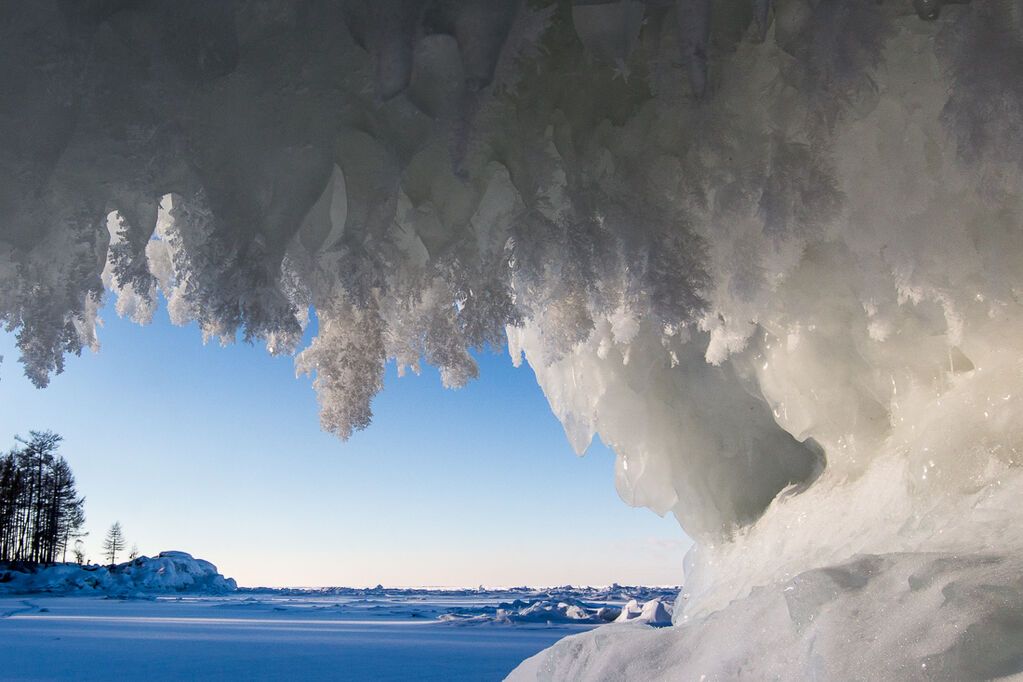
41	511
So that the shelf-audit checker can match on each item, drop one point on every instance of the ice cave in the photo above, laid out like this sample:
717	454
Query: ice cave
771	251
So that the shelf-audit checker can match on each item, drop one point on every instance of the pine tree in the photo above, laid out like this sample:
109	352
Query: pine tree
40	509
113	543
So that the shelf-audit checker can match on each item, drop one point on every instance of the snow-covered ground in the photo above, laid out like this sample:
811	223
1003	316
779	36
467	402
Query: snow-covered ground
144	619
911	616
237	638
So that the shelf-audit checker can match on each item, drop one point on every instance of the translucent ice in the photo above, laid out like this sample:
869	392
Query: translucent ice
791	304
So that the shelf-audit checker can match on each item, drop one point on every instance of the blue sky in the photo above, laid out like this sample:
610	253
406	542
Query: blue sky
218	451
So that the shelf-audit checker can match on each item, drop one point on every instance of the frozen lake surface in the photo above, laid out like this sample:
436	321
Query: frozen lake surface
341	634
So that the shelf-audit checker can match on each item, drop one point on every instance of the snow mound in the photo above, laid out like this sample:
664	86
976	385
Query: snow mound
933	616
168	572
653	612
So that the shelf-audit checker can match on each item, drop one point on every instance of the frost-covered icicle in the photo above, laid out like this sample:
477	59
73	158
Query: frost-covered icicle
984	112
694	36
608	30
462	133
199	37
761	18
387	29
128	251
481	28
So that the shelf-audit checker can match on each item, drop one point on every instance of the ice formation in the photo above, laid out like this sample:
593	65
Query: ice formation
894	617
168	572
770	252
653	612
578	606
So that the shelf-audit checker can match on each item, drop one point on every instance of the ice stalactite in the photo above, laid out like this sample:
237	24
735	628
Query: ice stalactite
769	251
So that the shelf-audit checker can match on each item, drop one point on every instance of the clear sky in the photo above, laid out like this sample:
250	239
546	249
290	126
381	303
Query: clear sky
218	451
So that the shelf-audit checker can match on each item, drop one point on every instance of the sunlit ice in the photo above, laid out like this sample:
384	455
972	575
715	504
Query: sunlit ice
764	255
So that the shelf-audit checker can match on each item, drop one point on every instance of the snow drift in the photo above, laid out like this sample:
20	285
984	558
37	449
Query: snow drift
168	572
878	617
771	252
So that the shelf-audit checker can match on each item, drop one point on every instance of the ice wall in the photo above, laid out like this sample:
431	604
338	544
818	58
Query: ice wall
769	251
879	330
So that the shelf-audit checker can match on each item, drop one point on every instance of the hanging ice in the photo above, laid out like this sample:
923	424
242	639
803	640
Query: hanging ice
777	267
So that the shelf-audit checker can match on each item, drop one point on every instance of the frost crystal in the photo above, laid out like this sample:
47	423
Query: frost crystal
770	251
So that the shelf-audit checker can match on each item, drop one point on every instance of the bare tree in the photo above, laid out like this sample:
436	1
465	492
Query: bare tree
113	543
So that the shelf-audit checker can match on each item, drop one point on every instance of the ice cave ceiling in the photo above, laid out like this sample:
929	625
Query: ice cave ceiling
737	238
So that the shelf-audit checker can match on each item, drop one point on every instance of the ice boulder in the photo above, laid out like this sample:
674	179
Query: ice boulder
655	613
629	612
652	612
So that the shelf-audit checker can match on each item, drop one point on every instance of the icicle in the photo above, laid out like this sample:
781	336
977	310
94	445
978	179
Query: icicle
694	35
481	28
609	30
387	29
761	18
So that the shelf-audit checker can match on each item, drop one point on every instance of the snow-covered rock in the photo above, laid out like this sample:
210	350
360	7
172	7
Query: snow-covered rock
166	572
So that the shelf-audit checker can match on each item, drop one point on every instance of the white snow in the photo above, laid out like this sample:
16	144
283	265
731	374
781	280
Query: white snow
889	343
356	634
630	611
538	611
542	611
793	306
515	606
653	612
878	617
168	572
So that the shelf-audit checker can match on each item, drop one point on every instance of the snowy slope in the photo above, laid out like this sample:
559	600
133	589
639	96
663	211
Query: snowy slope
907	616
166	572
